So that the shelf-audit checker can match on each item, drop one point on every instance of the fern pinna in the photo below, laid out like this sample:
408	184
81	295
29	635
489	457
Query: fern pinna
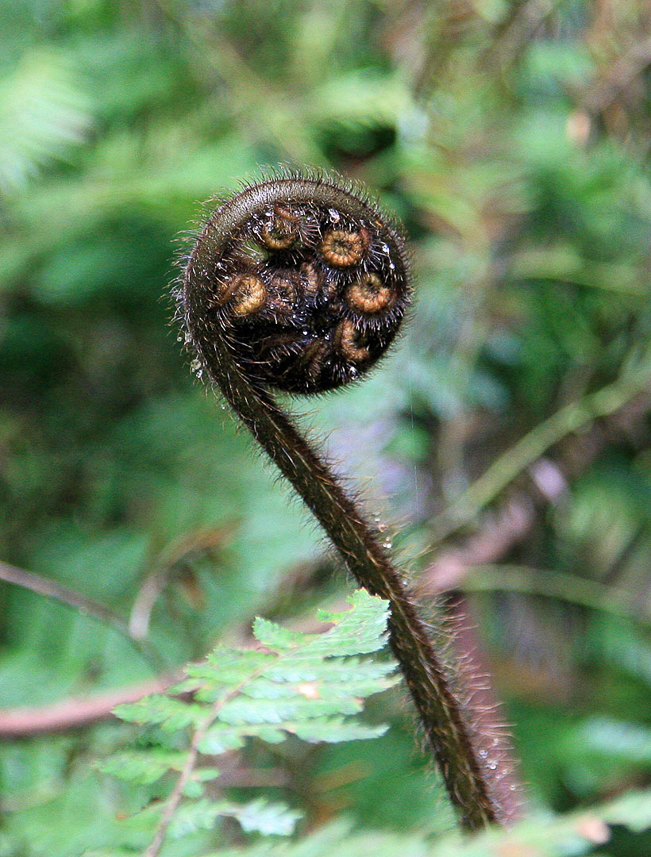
291	683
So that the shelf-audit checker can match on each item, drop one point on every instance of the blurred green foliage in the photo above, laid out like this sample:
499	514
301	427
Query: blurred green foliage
512	138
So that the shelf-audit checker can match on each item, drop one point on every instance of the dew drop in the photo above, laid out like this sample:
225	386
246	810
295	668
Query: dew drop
334	215
179	338
195	366
388	544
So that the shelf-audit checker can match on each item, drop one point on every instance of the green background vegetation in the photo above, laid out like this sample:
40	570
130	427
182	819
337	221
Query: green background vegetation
513	140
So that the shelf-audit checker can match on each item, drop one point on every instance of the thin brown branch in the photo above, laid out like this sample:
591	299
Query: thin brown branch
74	713
158	578
75	600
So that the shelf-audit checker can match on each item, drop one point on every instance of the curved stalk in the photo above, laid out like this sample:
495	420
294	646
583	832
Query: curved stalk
211	324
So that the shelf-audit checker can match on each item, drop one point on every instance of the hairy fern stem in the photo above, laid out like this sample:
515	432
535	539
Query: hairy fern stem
299	283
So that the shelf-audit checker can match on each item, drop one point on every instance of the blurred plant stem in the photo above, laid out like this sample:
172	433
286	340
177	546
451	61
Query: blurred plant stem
51	589
557	585
510	464
75	713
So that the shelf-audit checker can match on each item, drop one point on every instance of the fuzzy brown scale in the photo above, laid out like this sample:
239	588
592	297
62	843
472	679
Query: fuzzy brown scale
309	295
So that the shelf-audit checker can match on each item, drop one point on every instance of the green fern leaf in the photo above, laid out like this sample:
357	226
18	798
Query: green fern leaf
259	816
272	635
267	818
158	710
306	685
142	766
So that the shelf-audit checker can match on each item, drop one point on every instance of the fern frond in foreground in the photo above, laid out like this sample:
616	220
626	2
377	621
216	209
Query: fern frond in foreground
589	831
307	685
573	835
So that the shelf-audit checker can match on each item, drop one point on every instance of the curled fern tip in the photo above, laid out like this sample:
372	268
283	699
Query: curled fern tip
304	280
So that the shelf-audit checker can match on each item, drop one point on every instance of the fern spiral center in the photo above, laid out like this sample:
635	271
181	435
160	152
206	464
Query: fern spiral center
305	281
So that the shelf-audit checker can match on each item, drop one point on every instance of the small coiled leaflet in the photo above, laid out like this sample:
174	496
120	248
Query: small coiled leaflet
300	284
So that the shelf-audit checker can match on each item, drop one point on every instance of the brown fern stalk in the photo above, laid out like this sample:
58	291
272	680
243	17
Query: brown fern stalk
299	283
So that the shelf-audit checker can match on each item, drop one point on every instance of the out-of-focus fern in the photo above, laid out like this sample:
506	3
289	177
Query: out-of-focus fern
575	834
42	115
307	685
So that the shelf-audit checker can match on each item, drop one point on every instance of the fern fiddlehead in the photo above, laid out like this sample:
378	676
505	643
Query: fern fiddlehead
300	284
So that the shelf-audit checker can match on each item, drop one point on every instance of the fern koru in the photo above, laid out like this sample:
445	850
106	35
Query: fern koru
300	283
307	685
